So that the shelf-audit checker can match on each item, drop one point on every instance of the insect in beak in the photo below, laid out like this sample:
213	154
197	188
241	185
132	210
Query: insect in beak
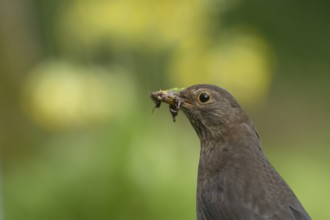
170	97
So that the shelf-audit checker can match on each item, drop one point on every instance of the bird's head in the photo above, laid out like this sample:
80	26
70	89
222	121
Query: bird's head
210	109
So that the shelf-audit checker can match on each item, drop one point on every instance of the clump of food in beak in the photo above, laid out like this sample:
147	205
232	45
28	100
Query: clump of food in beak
170	97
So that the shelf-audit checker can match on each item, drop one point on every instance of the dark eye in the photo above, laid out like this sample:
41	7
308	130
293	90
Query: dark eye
204	97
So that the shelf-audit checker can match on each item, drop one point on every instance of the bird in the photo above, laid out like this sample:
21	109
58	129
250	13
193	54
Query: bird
235	179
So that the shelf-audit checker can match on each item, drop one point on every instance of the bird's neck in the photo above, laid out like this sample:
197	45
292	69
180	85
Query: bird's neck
218	147
227	131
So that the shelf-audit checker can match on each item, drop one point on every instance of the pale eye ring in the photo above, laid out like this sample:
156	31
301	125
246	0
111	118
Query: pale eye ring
204	97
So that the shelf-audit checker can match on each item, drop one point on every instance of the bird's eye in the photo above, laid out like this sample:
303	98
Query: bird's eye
204	97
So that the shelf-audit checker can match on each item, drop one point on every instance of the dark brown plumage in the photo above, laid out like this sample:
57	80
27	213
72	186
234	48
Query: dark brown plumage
235	179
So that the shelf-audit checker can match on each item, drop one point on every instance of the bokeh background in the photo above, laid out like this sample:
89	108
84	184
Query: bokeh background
77	137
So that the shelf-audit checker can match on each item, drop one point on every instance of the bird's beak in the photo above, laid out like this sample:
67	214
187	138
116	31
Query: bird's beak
171	97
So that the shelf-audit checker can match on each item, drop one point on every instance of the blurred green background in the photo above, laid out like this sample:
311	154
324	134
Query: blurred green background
77	137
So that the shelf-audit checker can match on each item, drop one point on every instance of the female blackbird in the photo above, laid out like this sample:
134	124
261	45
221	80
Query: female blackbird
235	179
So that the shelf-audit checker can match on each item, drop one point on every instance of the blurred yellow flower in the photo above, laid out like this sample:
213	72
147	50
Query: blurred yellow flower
147	23
60	95
239	62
